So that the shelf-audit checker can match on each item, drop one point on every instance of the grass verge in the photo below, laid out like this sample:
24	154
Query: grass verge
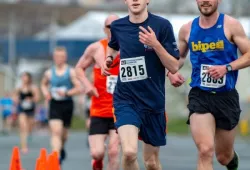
178	126
175	126
78	123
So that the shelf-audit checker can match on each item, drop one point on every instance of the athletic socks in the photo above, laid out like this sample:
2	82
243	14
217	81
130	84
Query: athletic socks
233	165
62	155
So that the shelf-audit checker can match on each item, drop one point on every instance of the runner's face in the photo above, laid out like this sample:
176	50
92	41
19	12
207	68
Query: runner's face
59	57
25	79
208	7
136	6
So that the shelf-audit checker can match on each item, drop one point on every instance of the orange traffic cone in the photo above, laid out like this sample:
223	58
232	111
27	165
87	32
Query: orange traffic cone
15	163
43	155
56	161
42	166
38	161
42	160
51	162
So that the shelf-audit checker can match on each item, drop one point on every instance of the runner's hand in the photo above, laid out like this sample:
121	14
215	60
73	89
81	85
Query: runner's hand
148	37
61	93
106	66
176	79
217	72
92	92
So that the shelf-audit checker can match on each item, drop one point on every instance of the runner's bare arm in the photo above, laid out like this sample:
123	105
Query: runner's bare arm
99	56
177	79
85	61
45	83
239	37
36	93
77	85
182	43
149	38
167	60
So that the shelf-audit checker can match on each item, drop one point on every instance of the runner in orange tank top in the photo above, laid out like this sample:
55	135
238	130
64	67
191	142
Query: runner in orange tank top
101	90
102	105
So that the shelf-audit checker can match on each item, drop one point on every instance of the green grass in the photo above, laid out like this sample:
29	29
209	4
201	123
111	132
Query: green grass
78	123
175	126
178	126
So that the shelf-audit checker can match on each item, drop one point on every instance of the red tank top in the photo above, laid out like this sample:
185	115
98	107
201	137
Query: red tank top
103	105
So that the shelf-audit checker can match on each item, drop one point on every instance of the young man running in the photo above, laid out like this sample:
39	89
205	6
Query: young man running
59	85
213	39
147	47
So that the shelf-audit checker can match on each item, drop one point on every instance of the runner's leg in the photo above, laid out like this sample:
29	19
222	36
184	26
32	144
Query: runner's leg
129	146
203	132
24	130
151	157
56	128
113	150
224	148
97	150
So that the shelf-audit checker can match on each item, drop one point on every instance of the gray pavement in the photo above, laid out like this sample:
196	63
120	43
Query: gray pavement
179	154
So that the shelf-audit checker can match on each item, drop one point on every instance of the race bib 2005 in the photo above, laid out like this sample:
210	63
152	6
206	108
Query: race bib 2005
208	81
133	69
111	83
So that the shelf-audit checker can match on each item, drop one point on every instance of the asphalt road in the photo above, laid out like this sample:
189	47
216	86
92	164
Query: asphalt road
179	154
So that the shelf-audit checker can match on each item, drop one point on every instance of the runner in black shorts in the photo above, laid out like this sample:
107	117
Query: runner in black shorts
62	110
100	125
224	106
59	85
28	95
213	39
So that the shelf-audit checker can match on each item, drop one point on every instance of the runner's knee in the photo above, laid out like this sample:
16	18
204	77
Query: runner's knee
152	163
23	126
113	152
224	158
206	150
97	155
129	154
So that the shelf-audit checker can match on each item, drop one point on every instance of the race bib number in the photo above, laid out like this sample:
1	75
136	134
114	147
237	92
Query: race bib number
55	92
111	83
133	69
26	104
208	81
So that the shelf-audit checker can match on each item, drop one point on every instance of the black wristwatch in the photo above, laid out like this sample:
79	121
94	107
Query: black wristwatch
229	68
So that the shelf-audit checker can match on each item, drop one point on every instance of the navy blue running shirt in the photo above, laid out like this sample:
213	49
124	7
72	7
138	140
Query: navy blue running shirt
141	80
